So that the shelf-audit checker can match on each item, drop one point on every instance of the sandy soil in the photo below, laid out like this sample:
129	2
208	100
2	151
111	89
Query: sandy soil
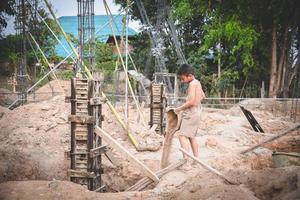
34	138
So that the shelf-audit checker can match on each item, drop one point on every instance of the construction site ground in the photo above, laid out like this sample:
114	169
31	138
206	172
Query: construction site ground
35	137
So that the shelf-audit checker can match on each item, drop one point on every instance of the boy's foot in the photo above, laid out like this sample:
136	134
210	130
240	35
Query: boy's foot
186	167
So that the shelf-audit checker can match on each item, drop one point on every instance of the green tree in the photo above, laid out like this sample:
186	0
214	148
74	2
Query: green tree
10	51
6	9
105	60
251	40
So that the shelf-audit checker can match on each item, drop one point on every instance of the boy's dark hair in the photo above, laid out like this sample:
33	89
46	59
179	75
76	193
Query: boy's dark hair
185	69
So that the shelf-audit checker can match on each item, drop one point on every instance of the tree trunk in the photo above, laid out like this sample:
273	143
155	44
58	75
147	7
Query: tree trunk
273	74
290	74
282	59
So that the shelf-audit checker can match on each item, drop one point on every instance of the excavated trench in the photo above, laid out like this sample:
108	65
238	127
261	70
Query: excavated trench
34	139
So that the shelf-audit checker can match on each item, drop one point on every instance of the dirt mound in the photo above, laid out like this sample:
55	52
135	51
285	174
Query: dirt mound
279	183
28	190
33	139
7	97
51	89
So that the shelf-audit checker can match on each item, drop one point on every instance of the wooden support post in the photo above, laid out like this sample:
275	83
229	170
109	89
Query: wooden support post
144	182
90	141
97	151
110	156
172	126
297	126
209	168
73	112
114	144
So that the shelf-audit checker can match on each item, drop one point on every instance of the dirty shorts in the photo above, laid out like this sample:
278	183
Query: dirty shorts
190	121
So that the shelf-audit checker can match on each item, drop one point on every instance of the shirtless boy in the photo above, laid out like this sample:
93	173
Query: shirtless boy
190	111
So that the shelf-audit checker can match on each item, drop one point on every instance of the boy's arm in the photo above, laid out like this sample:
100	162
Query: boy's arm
202	93
191	100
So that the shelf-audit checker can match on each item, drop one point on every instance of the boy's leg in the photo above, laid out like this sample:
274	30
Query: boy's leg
184	144
195	146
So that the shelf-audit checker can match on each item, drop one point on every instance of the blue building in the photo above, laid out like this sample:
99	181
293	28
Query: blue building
102	29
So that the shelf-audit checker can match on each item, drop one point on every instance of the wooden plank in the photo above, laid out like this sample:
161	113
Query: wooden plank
81	136
144	182
110	156
114	144
209	168
297	126
82	101
81	119
100	189
73	125
97	151
251	119
81	174
97	101
173	126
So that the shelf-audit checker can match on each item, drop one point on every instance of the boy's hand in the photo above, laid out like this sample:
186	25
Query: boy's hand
169	108
176	110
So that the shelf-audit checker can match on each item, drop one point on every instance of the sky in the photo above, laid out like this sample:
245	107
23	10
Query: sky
69	8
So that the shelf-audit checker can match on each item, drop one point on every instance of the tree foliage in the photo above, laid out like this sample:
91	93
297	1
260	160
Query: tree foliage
105	60
10	45
6	9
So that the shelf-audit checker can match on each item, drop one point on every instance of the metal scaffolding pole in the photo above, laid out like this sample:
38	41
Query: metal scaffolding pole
86	33
21	30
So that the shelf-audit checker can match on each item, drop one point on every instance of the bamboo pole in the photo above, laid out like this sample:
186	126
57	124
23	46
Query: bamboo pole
123	64
67	39
144	182
115	113
297	126
209	168
45	59
124	152
132	139
34	85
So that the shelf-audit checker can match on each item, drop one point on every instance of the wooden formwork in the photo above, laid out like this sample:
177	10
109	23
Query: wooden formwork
86	148
158	107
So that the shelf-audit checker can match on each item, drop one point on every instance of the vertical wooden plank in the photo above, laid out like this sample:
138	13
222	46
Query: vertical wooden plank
73	112
90	141
161	110
98	140
151	109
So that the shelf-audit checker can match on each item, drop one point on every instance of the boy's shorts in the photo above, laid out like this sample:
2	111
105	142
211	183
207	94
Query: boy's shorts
190	121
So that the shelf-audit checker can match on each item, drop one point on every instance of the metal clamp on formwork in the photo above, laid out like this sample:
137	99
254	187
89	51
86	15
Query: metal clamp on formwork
97	101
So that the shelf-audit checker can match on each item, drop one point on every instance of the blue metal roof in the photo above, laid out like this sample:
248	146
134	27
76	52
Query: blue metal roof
102	29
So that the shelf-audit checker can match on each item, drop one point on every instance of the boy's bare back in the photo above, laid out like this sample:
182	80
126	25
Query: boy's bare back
195	92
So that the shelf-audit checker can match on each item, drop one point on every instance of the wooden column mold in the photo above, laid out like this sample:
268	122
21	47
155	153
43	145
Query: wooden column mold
158	107
85	158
